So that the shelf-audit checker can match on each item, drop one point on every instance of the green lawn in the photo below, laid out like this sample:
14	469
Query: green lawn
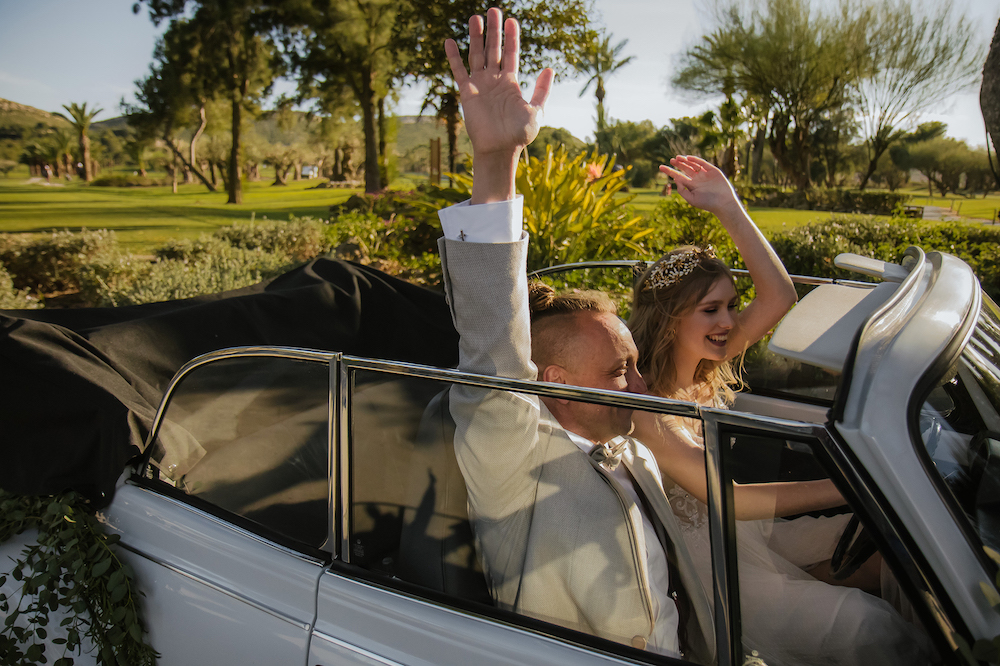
978	207
145	217
769	220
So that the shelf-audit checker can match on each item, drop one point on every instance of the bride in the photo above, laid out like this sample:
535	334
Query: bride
687	327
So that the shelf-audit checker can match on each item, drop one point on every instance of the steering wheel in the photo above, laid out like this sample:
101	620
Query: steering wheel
930	431
851	552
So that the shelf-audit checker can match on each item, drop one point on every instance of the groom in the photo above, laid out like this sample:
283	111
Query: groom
565	533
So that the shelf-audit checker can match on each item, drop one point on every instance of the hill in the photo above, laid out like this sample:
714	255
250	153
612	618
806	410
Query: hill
21	124
19	120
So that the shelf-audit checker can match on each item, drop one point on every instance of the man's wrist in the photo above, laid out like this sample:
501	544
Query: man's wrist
494	176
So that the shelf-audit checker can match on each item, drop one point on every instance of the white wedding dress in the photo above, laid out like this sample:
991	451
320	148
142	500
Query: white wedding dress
788	617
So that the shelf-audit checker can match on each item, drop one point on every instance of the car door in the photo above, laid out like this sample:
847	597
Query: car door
405	586
792	602
226	525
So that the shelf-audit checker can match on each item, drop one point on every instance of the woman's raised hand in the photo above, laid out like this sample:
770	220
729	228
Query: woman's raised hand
701	184
498	119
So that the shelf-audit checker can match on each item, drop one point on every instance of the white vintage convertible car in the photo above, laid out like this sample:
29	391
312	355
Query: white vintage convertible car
302	507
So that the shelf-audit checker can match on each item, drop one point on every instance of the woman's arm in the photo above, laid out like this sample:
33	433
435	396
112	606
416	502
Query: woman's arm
703	185
681	456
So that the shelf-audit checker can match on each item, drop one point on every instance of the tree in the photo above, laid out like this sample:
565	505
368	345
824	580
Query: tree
174	93
64	143
600	60
137	146
81	119
234	57
553	34
914	61
797	61
555	137
834	154
942	160
347	44
989	97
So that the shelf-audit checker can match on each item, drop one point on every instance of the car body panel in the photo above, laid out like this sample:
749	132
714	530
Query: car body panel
897	348
208	583
387	626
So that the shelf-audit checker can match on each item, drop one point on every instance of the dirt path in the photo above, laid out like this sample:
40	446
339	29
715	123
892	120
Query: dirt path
948	215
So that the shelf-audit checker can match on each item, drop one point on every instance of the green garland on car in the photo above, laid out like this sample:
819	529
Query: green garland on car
74	566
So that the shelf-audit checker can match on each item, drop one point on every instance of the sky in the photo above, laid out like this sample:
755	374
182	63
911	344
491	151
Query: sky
53	52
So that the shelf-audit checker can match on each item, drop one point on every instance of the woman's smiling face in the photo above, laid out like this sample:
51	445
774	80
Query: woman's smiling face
703	332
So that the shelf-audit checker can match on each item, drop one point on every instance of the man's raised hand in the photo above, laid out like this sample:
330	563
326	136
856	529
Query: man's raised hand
499	121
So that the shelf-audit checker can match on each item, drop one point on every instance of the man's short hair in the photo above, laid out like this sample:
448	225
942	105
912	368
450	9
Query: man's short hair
552	314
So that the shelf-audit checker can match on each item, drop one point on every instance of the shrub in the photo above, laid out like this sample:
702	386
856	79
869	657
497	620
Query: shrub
128	180
12	298
411	215
866	202
128	281
571	209
299	239
642	173
810	250
53	263
676	222
397	245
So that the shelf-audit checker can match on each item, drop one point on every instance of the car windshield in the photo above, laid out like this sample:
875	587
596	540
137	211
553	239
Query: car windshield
960	428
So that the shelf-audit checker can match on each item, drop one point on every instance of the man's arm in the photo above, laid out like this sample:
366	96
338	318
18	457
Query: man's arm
483	256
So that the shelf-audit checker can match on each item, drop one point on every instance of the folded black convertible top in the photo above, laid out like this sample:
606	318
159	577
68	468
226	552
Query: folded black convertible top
81	387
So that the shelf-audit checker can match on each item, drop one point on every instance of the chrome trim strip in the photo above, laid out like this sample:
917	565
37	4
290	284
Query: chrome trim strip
722	535
530	387
330	545
722	525
742	272
304	626
343	479
357	650
230	526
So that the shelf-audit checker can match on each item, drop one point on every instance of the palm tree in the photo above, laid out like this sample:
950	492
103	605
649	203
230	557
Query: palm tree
64	145
80	118
600	60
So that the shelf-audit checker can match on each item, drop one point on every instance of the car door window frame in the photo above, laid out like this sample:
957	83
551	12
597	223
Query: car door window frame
147	475
348	365
911	569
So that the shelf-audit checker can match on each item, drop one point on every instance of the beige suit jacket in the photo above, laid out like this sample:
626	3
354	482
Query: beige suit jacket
558	538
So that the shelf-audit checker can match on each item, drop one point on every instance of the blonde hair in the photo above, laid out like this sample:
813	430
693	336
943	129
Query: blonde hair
552	328
656	311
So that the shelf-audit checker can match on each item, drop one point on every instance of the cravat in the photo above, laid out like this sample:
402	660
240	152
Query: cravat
610	453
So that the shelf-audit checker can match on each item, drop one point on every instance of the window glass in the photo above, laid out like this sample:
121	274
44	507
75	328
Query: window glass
959	426
559	536
799	602
250	435
408	498
768	373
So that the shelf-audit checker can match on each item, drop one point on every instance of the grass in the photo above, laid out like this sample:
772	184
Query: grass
144	218
769	220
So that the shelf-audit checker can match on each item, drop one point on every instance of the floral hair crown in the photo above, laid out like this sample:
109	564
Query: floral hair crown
673	268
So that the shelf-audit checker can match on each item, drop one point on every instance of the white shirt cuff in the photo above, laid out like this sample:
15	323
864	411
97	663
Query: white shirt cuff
499	222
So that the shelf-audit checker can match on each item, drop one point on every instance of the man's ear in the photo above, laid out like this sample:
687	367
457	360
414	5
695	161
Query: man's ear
555	374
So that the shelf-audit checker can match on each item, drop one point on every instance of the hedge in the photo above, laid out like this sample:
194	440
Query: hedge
839	201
